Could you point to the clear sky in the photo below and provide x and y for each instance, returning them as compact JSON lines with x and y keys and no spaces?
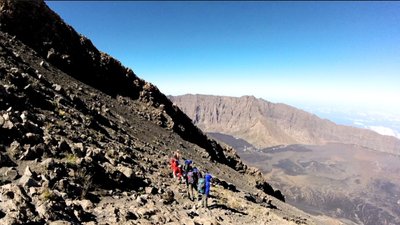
{"x":331,"y":53}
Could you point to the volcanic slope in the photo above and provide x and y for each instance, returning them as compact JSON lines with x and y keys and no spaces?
{"x":85,"y":141}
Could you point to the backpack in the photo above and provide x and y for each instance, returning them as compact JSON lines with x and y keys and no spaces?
{"x":190,"y":177}
{"x":196,"y":175}
{"x":186,"y":168}
{"x":201,"y":186}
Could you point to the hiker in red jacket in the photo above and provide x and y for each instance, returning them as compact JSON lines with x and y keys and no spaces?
{"x":172,"y":164}
{"x":178,"y":172}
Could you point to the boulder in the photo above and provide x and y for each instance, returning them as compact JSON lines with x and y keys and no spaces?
{"x":42,"y":210}
{"x":147,"y":212}
{"x":151,"y":190}
{"x":27,"y":180}
{"x":267,"y":189}
{"x":44,"y":64}
{"x":7,"y":123}
{"x":142,"y":199}
{"x":48,"y":163}
{"x":15,"y":150}
{"x":51,"y":54}
{"x":11,"y":174}
{"x":254,"y":171}
{"x":17,"y":206}
{"x":168,"y":197}
{"x":86,"y":204}
{"x":24,"y":115}
{"x":28,"y":172}
{"x":128,"y":172}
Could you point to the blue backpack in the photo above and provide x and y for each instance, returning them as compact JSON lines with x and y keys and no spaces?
{"x":201,"y":186}
{"x":187,"y":165}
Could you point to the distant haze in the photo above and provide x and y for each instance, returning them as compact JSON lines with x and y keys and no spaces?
{"x":339,"y":55}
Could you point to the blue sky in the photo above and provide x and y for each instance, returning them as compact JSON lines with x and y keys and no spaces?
{"x":301,"y":53}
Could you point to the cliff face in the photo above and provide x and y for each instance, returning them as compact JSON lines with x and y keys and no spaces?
{"x":266,"y":124}
{"x":85,"y":141}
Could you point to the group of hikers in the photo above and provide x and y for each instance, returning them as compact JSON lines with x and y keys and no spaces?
{"x":193,"y":178}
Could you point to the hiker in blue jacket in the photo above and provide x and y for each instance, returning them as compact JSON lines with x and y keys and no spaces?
{"x":207,"y":178}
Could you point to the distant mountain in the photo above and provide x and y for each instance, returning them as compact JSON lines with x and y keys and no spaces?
{"x":329,"y":179}
{"x":265,"y":124}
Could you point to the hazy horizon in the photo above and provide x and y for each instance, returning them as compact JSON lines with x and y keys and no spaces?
{"x":336,"y":55}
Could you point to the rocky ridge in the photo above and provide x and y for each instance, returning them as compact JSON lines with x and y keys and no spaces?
{"x":85,"y":141}
{"x":265,"y":124}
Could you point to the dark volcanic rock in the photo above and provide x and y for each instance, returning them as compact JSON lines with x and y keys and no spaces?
{"x":5,"y":160}
{"x":266,"y":188}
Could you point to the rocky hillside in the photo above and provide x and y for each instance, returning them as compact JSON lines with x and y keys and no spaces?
{"x":265,"y":124}
{"x":85,"y":141}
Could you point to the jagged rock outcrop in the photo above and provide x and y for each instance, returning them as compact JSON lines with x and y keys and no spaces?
{"x":265,"y":124}
{"x":85,"y":141}
{"x":75,"y":55}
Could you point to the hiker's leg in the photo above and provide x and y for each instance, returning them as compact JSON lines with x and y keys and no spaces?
{"x":206,"y":193}
{"x":199,"y":199}
{"x":191,"y":192}
{"x":188,"y":192}
{"x":196,"y":191}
